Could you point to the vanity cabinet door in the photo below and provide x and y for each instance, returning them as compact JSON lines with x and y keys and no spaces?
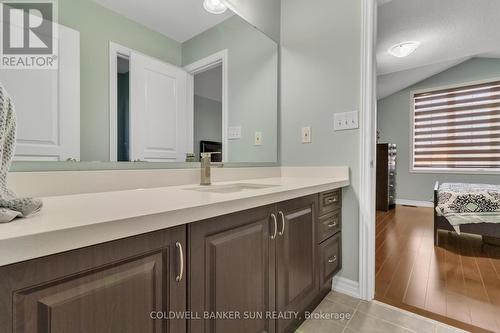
{"x":297,"y":285}
{"x":232,"y":272}
{"x":112,"y":287}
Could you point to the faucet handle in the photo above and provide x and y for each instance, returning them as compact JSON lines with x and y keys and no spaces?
{"x":206,"y":155}
{"x":210,"y":154}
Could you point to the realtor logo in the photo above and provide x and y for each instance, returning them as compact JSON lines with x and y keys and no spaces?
{"x":28,"y":35}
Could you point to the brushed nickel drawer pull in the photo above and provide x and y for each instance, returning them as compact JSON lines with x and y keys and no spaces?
{"x":282,"y":232}
{"x":331,"y":200}
{"x":178,"y":278}
{"x":332,"y":260}
{"x":275,"y":222}
{"x":332,"y":225}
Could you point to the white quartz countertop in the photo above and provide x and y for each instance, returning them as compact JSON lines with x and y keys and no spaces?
{"x":74,"y":221}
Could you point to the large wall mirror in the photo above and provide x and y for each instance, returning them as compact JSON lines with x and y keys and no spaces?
{"x":151,"y":81}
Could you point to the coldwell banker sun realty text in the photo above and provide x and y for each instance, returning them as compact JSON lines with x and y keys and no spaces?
{"x":29,"y":34}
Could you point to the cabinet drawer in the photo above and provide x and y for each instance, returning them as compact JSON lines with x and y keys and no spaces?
{"x":329,"y":225}
{"x":330,"y":260}
{"x":330,"y":201}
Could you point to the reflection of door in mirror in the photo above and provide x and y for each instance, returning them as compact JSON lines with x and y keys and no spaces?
{"x":47,"y":104}
{"x":163,"y":112}
{"x":157,"y":110}
{"x":150,"y":111}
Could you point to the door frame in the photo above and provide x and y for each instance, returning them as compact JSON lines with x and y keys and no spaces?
{"x":368,"y":143}
{"x":115,"y":51}
{"x":199,"y":66}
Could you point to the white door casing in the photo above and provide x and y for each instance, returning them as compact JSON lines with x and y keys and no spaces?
{"x":216,"y":59}
{"x":157,"y":110}
{"x":47,"y":104}
{"x":367,"y":150}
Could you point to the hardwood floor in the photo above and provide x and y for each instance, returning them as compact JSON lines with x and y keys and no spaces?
{"x":457,"y":283}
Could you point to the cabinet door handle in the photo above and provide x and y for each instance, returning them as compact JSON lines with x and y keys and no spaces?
{"x":178,"y":278}
{"x":275,"y":222}
{"x":282,"y":232}
{"x":332,"y":260}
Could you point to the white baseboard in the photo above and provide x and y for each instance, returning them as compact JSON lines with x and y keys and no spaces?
{"x":346,"y":286}
{"x":414,"y":203}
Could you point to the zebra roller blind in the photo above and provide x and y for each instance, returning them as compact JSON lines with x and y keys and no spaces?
{"x":457,"y":128}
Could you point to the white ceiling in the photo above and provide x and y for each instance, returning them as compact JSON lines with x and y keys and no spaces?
{"x":178,"y":19}
{"x":450,"y":31}
{"x":388,"y":84}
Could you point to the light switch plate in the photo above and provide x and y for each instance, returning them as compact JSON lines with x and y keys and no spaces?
{"x":345,"y":121}
{"x":352,"y":119}
{"x":306,"y":135}
{"x":234,"y":133}
{"x":339,"y":122}
{"x":258,"y":138}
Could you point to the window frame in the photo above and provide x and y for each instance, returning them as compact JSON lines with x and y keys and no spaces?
{"x":458,"y":171}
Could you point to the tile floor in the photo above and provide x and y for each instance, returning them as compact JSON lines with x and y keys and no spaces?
{"x":360,"y":316}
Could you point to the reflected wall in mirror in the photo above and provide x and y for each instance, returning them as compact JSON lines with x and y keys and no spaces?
{"x":152,"y":81}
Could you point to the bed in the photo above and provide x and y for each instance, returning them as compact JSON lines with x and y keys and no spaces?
{"x":467,"y":208}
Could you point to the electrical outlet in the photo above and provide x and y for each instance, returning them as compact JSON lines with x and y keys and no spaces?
{"x":258,"y":138}
{"x":306,"y":135}
{"x":234,"y":133}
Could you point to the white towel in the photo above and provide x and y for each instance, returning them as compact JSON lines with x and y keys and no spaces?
{"x":10,"y":206}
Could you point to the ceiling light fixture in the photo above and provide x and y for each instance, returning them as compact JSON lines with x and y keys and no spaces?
{"x":214,"y":6}
{"x":403,"y":49}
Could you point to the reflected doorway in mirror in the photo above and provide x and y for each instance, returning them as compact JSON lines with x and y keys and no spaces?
{"x":207,"y":92}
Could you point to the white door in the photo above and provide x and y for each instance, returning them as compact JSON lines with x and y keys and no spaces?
{"x":157,"y":110}
{"x":47,"y":104}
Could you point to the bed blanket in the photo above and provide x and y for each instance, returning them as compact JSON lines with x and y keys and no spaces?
{"x":469,"y":203}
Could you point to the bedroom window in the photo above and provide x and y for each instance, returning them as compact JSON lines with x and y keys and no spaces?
{"x":457,"y":129}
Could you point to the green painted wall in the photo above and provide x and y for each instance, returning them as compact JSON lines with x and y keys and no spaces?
{"x":394,"y":114}
{"x":98,"y":26}
{"x":253,"y":84}
{"x":320,"y":68}
{"x":207,"y":122}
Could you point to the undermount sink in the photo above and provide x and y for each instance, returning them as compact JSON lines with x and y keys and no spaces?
{"x":230,"y":188}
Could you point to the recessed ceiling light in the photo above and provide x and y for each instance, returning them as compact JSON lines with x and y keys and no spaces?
{"x":403,"y":49}
{"x":214,"y":6}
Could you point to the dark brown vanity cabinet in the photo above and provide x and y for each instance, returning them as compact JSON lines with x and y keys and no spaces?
{"x":329,"y":238}
{"x":296,"y":274}
{"x":264,"y":262}
{"x":232,"y":270}
{"x":107,"y":288}
{"x":252,"y":271}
